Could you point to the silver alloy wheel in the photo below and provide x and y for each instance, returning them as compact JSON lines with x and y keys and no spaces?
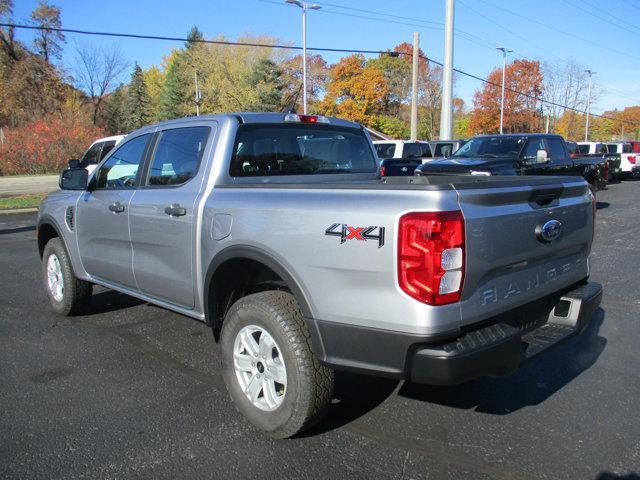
{"x":260,"y":367}
{"x":55,"y":280}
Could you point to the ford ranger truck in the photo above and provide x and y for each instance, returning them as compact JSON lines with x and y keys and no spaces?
{"x":276,"y":230}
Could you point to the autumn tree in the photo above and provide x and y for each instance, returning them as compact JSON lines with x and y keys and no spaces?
{"x":317,"y":77}
{"x":8,"y":44}
{"x":356,"y":90}
{"x":97,"y":70}
{"x":48,"y":42}
{"x":523,"y":88}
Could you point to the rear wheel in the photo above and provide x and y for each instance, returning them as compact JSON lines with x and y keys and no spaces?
{"x":67,"y":294}
{"x":271,"y":374}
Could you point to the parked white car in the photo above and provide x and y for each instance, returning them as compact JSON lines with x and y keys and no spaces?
{"x":591,"y":148}
{"x":628,"y":159}
{"x":405,"y":149}
{"x":96,"y":152}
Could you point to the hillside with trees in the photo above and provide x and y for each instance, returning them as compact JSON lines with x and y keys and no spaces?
{"x":50,"y":112}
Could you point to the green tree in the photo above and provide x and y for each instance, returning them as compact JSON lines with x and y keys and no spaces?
{"x":138,"y":102}
{"x":116,"y":111}
{"x":194,"y":37}
{"x":266,"y":80}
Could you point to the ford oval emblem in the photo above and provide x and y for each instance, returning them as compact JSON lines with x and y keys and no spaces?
{"x":549,"y":231}
{"x":404,"y":169}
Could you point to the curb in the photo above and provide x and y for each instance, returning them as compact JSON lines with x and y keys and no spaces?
{"x":10,"y":211}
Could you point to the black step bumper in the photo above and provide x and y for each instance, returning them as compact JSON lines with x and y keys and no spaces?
{"x":500,"y":349}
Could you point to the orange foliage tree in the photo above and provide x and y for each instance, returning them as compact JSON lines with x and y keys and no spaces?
{"x":45,"y":145}
{"x":356,"y":90}
{"x":521,"y":112}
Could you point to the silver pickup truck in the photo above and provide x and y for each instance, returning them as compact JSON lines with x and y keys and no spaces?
{"x":277,"y":231}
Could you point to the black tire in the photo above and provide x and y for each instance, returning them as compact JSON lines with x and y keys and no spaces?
{"x":76,"y":293}
{"x":309,"y":387}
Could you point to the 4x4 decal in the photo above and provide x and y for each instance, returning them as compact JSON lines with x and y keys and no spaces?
{"x":347,"y":232}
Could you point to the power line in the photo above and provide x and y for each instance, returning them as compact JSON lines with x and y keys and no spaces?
{"x":631,"y":4}
{"x":293,"y":47}
{"x":600,"y":17}
{"x":560,"y":30}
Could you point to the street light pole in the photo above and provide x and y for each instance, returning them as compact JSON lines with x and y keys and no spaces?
{"x":586,"y":126}
{"x":504,"y":51}
{"x":304,"y":6}
{"x":446,"y":112}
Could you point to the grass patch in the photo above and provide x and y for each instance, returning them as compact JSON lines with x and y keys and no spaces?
{"x":22,"y":201}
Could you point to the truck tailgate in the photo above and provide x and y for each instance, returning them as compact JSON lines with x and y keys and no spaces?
{"x":509,"y":261}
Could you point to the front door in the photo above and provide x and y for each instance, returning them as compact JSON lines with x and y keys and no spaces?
{"x":162,"y":216}
{"x":102,"y":215}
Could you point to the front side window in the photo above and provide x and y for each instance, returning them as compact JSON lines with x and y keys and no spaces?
{"x":583,"y":149}
{"x":91,"y":156}
{"x":601,"y":148}
{"x":444,"y":149}
{"x":121,"y":168}
{"x":532,"y":148}
{"x":385,"y":150}
{"x":178,"y":155}
{"x":299,"y":149}
{"x":612,"y":148}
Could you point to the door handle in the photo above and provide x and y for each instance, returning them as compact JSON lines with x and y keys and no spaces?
{"x":175,"y":210}
{"x":116,"y":207}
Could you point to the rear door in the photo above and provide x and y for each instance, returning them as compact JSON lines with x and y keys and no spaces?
{"x":162,"y":215}
{"x":102,"y":215}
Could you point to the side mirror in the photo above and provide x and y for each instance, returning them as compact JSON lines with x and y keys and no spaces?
{"x":74,"y":163}
{"x":541,"y":156}
{"x":74,"y":179}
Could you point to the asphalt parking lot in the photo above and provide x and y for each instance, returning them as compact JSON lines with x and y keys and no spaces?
{"x":132,"y":390}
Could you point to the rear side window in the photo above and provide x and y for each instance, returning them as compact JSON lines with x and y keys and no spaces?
{"x":106,"y":148}
{"x":602,"y":148}
{"x":556,"y":149}
{"x":299,"y":149}
{"x":426,"y":150}
{"x":583,"y":149}
{"x":626,"y":148}
{"x":612,"y":148}
{"x":177,"y":155}
{"x":385,"y":150}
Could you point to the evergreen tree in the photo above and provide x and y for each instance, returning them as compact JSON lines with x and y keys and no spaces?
{"x":193,"y":37}
{"x":115,"y":113}
{"x":174,"y":93}
{"x":138,"y":102}
{"x":266,"y":79}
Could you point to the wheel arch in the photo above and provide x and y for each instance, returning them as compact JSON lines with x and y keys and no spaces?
{"x":47,"y":229}
{"x":256,"y":256}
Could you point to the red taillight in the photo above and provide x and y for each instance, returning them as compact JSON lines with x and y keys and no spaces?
{"x":383,"y":171}
{"x":431,"y":256}
{"x":632,"y":159}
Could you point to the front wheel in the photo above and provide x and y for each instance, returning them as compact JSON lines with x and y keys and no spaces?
{"x":67,"y":294}
{"x":271,"y":374}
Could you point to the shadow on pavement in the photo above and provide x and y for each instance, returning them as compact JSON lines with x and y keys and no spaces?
{"x":613,"y":476}
{"x":354,"y":396}
{"x":602,"y":205}
{"x":6,"y":231}
{"x":531,"y":385}
{"x":109,"y":301}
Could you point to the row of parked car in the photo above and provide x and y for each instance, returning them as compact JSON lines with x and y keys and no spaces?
{"x":512,"y":154}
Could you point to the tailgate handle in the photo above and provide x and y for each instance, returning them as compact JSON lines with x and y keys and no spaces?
{"x":544,"y":199}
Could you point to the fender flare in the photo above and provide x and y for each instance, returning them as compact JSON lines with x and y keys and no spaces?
{"x":51,"y":222}
{"x":258,"y":255}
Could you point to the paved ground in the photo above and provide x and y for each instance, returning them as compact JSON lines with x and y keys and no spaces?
{"x":11,"y":186}
{"x":132,"y":390}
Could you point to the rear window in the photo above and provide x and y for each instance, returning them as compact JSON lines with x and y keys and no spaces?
{"x":612,"y":148}
{"x":583,"y":149}
{"x":271,"y":150}
{"x":626,"y":148}
{"x":385,"y":150}
{"x":412,"y":150}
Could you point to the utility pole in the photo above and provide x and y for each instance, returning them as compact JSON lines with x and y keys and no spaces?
{"x":586,"y":126}
{"x":304,"y":6}
{"x":198,"y":94}
{"x":546,"y":130}
{"x":504,"y":51}
{"x":414,"y":87}
{"x":446,"y":114}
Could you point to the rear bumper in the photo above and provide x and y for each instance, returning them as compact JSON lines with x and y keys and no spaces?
{"x":635,"y":170}
{"x":495,"y":349}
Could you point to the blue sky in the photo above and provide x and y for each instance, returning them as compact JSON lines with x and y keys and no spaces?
{"x":544,"y":30}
